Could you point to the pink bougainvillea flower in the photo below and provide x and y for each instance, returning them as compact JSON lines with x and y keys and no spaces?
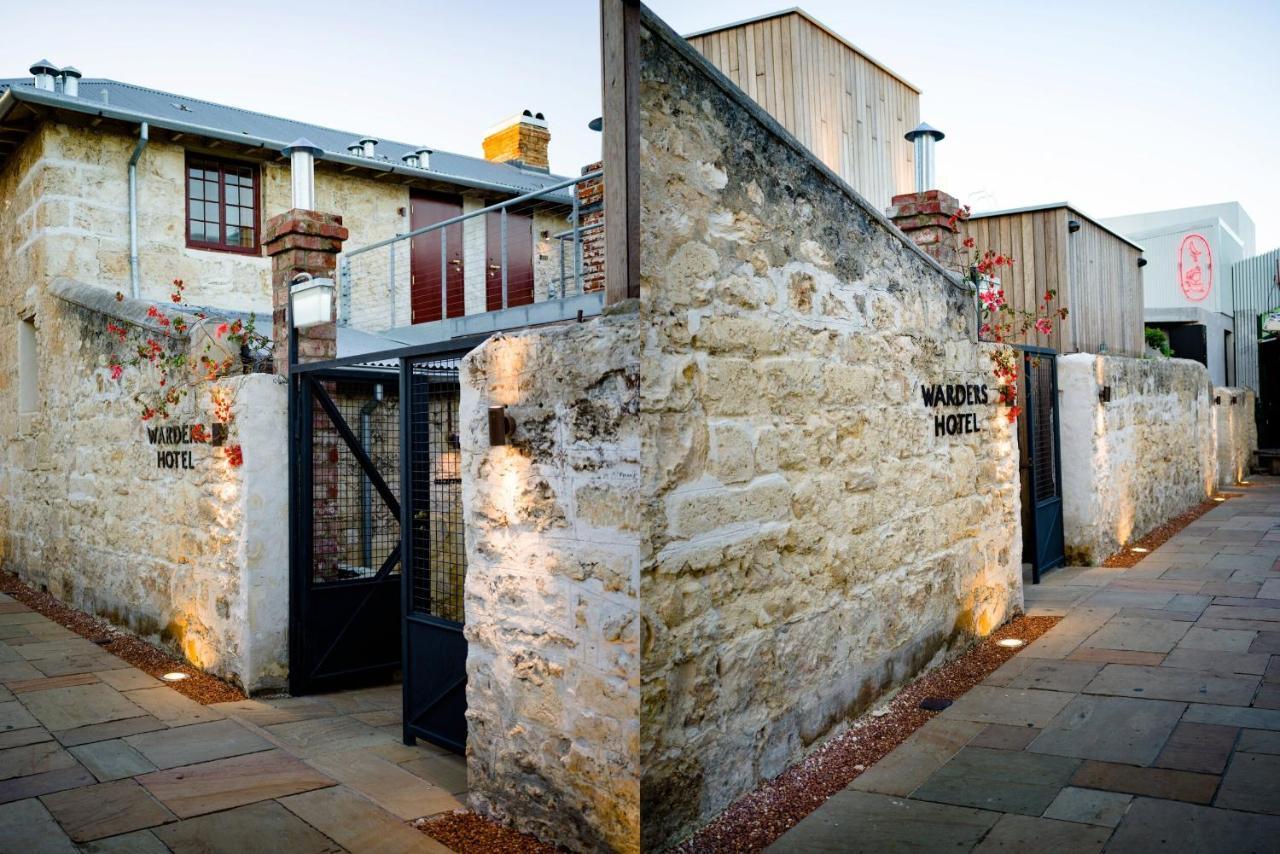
{"x":117,"y":370}
{"x":235,"y":455}
{"x":1044,"y":325}
{"x":221,"y":330}
{"x":1014,"y":412}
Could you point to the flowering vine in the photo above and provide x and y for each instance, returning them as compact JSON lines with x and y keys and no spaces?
{"x":177,"y":374}
{"x":1000,"y":322}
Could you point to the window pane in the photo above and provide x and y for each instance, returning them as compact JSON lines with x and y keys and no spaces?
{"x":196,"y":190}
{"x":246,"y":216}
{"x":195,"y":209}
{"x":233,"y":195}
{"x":197,"y":230}
{"x":211,"y":190}
{"x":233,"y":235}
{"x":246,"y":237}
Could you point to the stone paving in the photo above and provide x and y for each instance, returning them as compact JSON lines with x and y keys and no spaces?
{"x":1148,"y":719}
{"x":98,"y":756}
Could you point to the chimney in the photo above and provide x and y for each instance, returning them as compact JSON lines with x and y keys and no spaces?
{"x":45,"y":72}
{"x":923,"y":136}
{"x":521,"y":141}
{"x":368,"y":146}
{"x":71,"y":81}
{"x":928,"y":216}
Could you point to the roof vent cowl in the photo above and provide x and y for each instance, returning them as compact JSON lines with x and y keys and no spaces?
{"x":368,"y":144}
{"x":71,"y":81}
{"x":45,"y":72}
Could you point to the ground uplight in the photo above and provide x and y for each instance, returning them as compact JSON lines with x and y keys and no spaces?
{"x":174,"y":677}
{"x":1010,"y":643}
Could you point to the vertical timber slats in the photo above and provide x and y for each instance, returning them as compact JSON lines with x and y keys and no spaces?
{"x":851,"y":112}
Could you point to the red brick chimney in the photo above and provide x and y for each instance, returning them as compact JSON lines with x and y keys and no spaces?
{"x":521,"y":141}
{"x":931,"y":219}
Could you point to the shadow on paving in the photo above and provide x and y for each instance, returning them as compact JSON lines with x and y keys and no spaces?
{"x":1147,"y":719}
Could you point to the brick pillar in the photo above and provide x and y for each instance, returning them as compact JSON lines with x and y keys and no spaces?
{"x":928,"y":219}
{"x":591,"y":194}
{"x":301,"y":241}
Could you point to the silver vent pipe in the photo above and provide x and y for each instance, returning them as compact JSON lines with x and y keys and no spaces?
{"x":355,"y":149}
{"x":45,"y":73}
{"x":410,"y":159}
{"x":368,"y":144}
{"x":302,"y":154}
{"x":424,"y":158}
{"x":71,"y":81}
{"x":923,"y":136}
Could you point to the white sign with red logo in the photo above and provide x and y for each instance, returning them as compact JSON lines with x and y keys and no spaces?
{"x":1195,"y":267}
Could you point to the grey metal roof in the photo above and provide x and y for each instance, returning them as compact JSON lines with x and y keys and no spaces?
{"x":1053,"y":206}
{"x":179,"y":113}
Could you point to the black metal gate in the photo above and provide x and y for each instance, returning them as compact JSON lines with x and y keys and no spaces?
{"x":376,"y":486}
{"x":345,"y":527}
{"x":1043,"y":545}
{"x":435,"y":651}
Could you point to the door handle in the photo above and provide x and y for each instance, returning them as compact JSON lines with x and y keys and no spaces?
{"x":457,"y":262}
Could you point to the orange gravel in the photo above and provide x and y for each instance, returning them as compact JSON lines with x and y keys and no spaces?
{"x":198,"y":685}
{"x":759,"y":818}
{"x":468,"y":833}
{"x":1126,"y":557}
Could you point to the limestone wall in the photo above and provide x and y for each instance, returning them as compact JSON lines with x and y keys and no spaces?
{"x":1129,"y":464}
{"x":553,"y":555}
{"x":1237,"y":433}
{"x":814,"y":541}
{"x":191,"y":553}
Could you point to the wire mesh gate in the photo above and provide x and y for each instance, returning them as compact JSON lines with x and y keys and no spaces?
{"x":378,"y":553}
{"x":1043,"y":542}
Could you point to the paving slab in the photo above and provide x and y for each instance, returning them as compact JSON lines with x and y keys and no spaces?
{"x":1138,"y":635}
{"x":1233,"y":716}
{"x":63,"y":665}
{"x":27,"y":827}
{"x":1259,"y":741}
{"x":1115,"y":729}
{"x":167,"y":705}
{"x":386,"y":784}
{"x":276,"y":711}
{"x":1069,"y":633}
{"x":44,"y":683}
{"x":1236,"y":612}
{"x":81,"y":705}
{"x":1162,"y":825}
{"x":912,"y":762}
{"x":1198,"y":747}
{"x":1172,"y":683}
{"x":1270,"y":589}
{"x":1089,"y":806}
{"x":1268,"y":696}
{"x":1230,"y":588}
{"x":110,"y":729}
{"x":1005,"y":737}
{"x":225,"y":783}
{"x":1221,"y":640}
{"x":1014,"y":706}
{"x":852,"y":822}
{"x":34,"y":759}
{"x":1252,"y":783}
{"x":1022,"y":833}
{"x":1115,"y":656}
{"x":317,"y":736}
{"x":138,"y":842}
{"x":1153,"y":782}
{"x":21,"y":737}
{"x":112,"y":760}
{"x":247,"y":828}
{"x":13,"y":670}
{"x":128,"y":679}
{"x":1266,"y":642}
{"x":1213,"y":661}
{"x":1001,"y":780}
{"x":14,"y":715}
{"x":35,"y":785}
{"x":188,"y":745}
{"x":107,"y":809}
{"x":358,"y":824}
{"x":1056,"y":675}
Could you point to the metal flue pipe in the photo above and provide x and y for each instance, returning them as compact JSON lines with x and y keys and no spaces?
{"x":924,"y":136}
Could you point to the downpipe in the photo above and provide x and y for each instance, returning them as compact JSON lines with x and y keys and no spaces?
{"x":134,"y":276}
{"x":366,"y":492}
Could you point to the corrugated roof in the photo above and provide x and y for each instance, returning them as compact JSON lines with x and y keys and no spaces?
{"x":165,"y":109}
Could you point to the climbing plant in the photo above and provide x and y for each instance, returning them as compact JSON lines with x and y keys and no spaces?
{"x":168,"y":374}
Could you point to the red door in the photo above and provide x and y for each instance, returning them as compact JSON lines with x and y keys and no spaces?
{"x":519,"y":260}
{"x":425,"y":257}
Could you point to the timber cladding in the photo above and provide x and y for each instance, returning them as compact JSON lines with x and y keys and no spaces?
{"x":1094,"y":271}
{"x":842,"y":105}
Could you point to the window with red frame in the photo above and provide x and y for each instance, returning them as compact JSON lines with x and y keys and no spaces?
{"x":222,"y":205}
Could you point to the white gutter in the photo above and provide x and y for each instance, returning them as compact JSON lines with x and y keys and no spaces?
{"x":134,"y":275}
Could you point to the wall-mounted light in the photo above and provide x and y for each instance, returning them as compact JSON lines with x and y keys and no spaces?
{"x":596,"y":124}
{"x":1234,"y":400}
{"x":310,"y":301}
{"x":1142,"y":262}
{"x":1104,"y":394}
{"x":1217,"y":399}
{"x":1073,"y":225}
{"x":501,"y":425}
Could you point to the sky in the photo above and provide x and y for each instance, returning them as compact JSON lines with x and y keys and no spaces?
{"x":1117,"y":107}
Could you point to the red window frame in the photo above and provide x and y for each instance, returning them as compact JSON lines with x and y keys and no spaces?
{"x":222,"y":167}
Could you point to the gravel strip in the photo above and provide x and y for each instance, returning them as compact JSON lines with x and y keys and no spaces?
{"x":759,"y":818}
{"x":468,"y":833}
{"x":198,"y":685}
{"x":1126,"y":557}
